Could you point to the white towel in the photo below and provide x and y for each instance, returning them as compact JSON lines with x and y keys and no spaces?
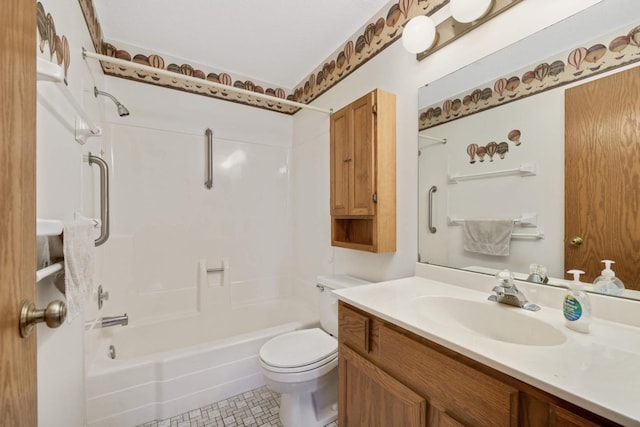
{"x":79,"y":260}
{"x":488,"y":236}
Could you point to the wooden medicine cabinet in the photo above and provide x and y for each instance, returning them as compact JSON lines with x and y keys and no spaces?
{"x":363,"y":174}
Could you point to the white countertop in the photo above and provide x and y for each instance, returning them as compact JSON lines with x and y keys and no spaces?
{"x":599,"y":371}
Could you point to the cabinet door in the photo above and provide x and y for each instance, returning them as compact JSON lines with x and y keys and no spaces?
{"x":362,"y":184}
{"x":368,"y":397}
{"x":340,"y":155}
{"x":562,"y":418}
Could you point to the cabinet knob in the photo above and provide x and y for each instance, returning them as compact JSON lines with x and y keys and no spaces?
{"x":348,"y":159}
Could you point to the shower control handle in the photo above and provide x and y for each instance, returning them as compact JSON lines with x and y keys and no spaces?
{"x":54,"y":315}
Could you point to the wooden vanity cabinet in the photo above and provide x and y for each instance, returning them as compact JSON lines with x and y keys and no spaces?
{"x":391,"y":377}
{"x":363,"y":173}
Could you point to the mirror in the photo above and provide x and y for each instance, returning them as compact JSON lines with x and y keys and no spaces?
{"x":504,"y":151}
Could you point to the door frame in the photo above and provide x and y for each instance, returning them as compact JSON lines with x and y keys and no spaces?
{"x":18,"y":358}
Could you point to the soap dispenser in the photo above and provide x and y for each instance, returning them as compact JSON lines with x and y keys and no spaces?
{"x":607,"y":282}
{"x":576,"y":305}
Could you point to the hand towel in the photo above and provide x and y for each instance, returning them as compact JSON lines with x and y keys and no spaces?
{"x":79,"y":261}
{"x":488,"y":236}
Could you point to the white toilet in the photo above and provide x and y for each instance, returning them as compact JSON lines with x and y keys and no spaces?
{"x":303,"y":365}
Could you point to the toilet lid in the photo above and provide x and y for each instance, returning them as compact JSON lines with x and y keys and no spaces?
{"x":298,"y":348}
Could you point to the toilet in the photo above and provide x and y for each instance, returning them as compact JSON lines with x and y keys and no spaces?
{"x":303,"y":365}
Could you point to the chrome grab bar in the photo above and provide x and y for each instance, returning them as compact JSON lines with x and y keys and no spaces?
{"x":104,"y":198}
{"x":209,"y":182}
{"x":432,"y":190}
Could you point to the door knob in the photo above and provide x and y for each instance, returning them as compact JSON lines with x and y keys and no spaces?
{"x":576,"y":241}
{"x":54,"y":316}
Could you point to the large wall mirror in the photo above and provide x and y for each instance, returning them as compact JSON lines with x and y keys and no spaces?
{"x":518,"y":124}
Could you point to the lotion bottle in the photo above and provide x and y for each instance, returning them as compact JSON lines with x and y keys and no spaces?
{"x":607,"y":282}
{"x":576,"y":306}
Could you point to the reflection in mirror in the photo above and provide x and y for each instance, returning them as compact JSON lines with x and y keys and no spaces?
{"x":503,"y":118}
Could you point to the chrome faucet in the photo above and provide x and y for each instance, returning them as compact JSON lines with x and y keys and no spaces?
{"x":507,"y":293}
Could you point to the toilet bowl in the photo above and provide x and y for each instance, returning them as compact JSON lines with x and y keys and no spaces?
{"x":302,"y":365}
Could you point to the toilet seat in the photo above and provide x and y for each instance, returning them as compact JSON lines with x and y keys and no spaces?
{"x":299,"y":351}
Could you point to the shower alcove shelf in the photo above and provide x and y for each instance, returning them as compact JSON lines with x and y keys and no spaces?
{"x":363,"y":174}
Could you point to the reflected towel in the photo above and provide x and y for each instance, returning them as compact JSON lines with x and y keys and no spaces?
{"x":79,"y":261}
{"x":488,"y":236}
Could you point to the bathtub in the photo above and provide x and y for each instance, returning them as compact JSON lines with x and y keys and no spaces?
{"x":164,"y":369}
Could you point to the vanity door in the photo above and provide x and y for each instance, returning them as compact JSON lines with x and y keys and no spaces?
{"x":369,"y":397}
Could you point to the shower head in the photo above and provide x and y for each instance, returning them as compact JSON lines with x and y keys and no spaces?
{"x":122,"y":110}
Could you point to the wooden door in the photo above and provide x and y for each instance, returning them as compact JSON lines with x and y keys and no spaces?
{"x":368,"y":397}
{"x":362,"y":184}
{"x":341,"y":152}
{"x":602,"y":176}
{"x":18,"y":402}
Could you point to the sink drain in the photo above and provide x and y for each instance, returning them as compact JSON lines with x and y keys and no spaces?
{"x":112,"y":352}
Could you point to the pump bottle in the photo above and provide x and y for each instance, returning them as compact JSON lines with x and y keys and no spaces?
{"x":576,"y":306}
{"x":607,"y":282}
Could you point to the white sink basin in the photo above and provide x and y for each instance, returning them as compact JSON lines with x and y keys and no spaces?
{"x":493,"y":320}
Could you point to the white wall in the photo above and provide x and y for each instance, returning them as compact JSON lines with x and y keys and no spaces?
{"x":64,"y":186}
{"x":396,"y":71}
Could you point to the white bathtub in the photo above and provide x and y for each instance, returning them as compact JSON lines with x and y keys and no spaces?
{"x":164,"y":369}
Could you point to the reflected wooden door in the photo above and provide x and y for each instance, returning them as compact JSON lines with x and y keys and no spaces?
{"x":602,"y":176}
{"x":18,"y":402}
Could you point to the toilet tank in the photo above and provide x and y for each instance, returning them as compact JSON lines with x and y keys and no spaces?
{"x":328,"y":300}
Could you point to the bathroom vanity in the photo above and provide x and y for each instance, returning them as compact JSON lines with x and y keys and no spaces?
{"x":420,"y":352}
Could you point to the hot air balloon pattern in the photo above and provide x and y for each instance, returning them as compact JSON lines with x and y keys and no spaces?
{"x":541,"y":71}
{"x":51,"y":35}
{"x":446,"y":107}
{"x":576,"y":57}
{"x":514,"y":136}
{"x":471,"y":151}
{"x":503,"y":149}
{"x":481,"y":152}
{"x":405,"y":5}
{"x":634,"y":36}
{"x":594,"y":54}
{"x":41,"y":21}
{"x":555,"y":69}
{"x":455,"y":106}
{"x":499,"y":86}
{"x":619,"y":44}
{"x":491,"y":149}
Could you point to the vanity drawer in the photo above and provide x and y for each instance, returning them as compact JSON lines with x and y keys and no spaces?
{"x":355,"y":329}
{"x":463,"y":393}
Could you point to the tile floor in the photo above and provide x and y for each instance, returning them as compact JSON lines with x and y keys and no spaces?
{"x":255,"y":408}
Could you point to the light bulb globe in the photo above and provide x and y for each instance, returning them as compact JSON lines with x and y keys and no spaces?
{"x":418,"y":34}
{"x":465,"y":11}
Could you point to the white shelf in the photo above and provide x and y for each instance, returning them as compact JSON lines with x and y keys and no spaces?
{"x":525,"y":169}
{"x":48,"y":227}
{"x":49,"y":72}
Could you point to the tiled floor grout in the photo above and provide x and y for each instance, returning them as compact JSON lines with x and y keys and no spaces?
{"x":255,"y":408}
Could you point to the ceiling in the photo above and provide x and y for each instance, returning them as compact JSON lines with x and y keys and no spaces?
{"x":277,"y":41}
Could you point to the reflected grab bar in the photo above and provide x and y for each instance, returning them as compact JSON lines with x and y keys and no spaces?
{"x":209,"y":182}
{"x":432,"y":190}
{"x":104,"y":198}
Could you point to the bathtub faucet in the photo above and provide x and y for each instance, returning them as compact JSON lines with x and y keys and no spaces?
{"x":106,"y":322}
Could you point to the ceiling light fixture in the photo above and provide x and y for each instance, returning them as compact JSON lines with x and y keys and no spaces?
{"x":466,"y":11}
{"x":423,"y":37}
{"x":419,"y":34}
